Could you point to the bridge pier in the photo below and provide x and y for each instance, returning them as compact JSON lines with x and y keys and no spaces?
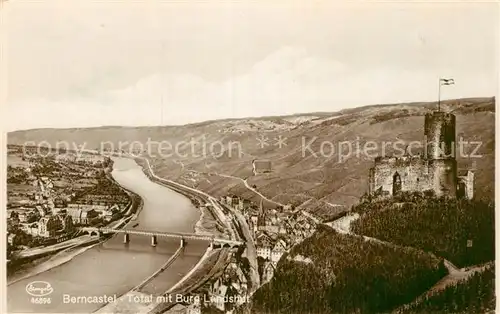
{"x":94,"y":233}
{"x":214,"y":242}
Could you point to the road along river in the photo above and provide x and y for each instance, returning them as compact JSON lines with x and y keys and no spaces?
{"x":112,"y":268}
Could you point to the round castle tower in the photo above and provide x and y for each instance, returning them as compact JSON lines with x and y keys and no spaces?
{"x":439,"y":131}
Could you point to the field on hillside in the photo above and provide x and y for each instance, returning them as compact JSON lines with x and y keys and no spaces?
{"x":305,"y":170}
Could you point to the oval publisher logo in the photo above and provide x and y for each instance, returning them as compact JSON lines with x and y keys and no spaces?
{"x":39,"y":288}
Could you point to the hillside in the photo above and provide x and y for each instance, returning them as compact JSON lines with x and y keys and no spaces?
{"x":390,"y":261}
{"x":346,"y":274}
{"x":475,"y":294}
{"x":298,"y":176}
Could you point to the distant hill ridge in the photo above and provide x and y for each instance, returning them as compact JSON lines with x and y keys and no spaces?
{"x":484,"y":102}
{"x":323,"y":182}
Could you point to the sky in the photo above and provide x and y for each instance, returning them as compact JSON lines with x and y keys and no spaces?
{"x":81,"y":63}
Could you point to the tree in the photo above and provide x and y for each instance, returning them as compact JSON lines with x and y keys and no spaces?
{"x":430,"y":218}
{"x":33,"y":217}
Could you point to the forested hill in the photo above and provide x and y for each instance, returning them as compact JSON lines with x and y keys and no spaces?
{"x":350,"y":274}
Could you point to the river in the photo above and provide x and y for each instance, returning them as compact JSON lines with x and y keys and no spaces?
{"x":113,"y":268}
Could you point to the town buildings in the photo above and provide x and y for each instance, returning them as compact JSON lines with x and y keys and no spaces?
{"x":57,"y":195}
{"x":92,"y":159}
{"x":274,"y":231}
{"x":49,"y":227}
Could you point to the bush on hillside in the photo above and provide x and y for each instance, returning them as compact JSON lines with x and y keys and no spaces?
{"x":473,"y":295}
{"x":386,"y":116}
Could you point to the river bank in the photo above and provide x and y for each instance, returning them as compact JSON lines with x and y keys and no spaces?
{"x":114,"y":268}
{"x":206,"y":224}
{"x":136,"y":202}
{"x":51,"y":260}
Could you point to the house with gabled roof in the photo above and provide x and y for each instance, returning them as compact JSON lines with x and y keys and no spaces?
{"x":233,"y":262}
{"x":298,"y":238}
{"x":267,"y":272}
{"x":11,"y":239}
{"x":220,"y":296}
{"x":194,"y":307}
{"x":264,"y":245}
{"x":282,"y":230}
{"x":241,"y":281}
{"x":279,"y":248}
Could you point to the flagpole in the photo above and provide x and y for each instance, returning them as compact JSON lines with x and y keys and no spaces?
{"x":439,"y":95}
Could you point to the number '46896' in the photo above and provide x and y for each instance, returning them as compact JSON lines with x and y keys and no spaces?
{"x":40,"y":300}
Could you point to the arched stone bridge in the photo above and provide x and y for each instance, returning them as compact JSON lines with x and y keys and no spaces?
{"x":155,"y":234}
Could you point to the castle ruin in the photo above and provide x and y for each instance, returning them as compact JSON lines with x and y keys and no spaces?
{"x":434,"y":170}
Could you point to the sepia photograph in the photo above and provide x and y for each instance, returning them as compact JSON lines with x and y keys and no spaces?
{"x":248,"y":156}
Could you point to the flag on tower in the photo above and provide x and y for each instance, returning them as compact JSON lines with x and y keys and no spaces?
{"x":446,"y":81}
